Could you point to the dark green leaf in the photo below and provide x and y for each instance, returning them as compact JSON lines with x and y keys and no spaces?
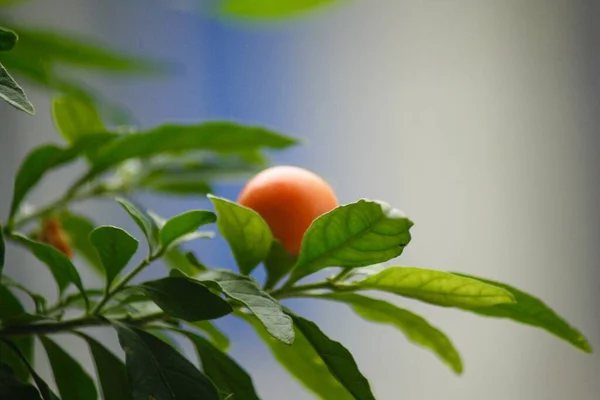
{"x":143,"y":221}
{"x":78,"y":228}
{"x":416,"y":328}
{"x":435,"y":287}
{"x":13,"y":389}
{"x":75,"y":116}
{"x":72,"y":381}
{"x":59,"y":264}
{"x":8,"y":39}
{"x":158,"y":371}
{"x":246,"y":232}
{"x":111,"y":372}
{"x":215,"y":136}
{"x":270,"y":9}
{"x":38,"y":300}
{"x":302,"y":361}
{"x":2,"y":250}
{"x":225,"y":373}
{"x":218,"y":338}
{"x":43,"y":387}
{"x":353,"y":235}
{"x":247,"y":291}
{"x":12,"y":93}
{"x":115,"y":247}
{"x":532,"y":311}
{"x":165,"y":337}
{"x":11,"y":307}
{"x":185,"y":299}
{"x":278,"y":264}
{"x":184,"y":224}
{"x":187,"y":263}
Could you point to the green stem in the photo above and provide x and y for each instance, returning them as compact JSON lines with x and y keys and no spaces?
{"x":343,"y":273}
{"x":293,"y":290}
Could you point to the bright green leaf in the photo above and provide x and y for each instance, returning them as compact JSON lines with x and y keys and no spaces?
{"x":78,"y":229}
{"x":247,"y":291}
{"x":143,"y":221}
{"x":416,"y":328}
{"x":115,"y":247}
{"x":225,"y":373}
{"x":74,"y":117}
{"x":271,"y":9}
{"x":72,"y":381}
{"x":217,"y":338}
{"x":111,"y":372}
{"x":435,"y":287}
{"x":13,"y":389}
{"x":279,"y":263}
{"x":246,"y":232}
{"x":185,"y":262}
{"x":185,"y":299}
{"x":8,"y":39}
{"x":158,"y":371}
{"x":302,"y":361}
{"x":11,"y":307}
{"x":353,"y":235}
{"x":12,"y":93}
{"x":532,"y":311}
{"x":184,"y":224}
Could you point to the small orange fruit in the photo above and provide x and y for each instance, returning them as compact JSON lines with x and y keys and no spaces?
{"x":53,"y":234}
{"x":289,"y":199}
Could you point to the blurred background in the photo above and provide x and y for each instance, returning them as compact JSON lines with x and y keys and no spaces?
{"x":478,"y":119}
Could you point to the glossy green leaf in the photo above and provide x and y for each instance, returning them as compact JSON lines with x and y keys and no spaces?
{"x":75,"y":116}
{"x":2,"y":250}
{"x":115,"y":247}
{"x":215,"y":136}
{"x":247,"y":291}
{"x":78,"y":229}
{"x":158,"y":371}
{"x":142,"y":220}
{"x":111,"y":372}
{"x":222,"y":370}
{"x":11,"y":307}
{"x":271,"y":9}
{"x":336,"y":357}
{"x":246,"y":232}
{"x":278,"y":264}
{"x":185,"y":262}
{"x":185,"y":299}
{"x":435,"y":287}
{"x":72,"y":381}
{"x":302,"y":361}
{"x":60,"y":266}
{"x":12,"y":93}
{"x":184,"y":224}
{"x":353,"y":235}
{"x":12,"y":388}
{"x":45,"y":391}
{"x":217,"y":338}
{"x":8,"y":39}
{"x":532,"y":311}
{"x":416,"y":328}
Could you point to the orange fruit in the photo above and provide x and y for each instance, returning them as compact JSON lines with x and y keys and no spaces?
{"x":53,"y":234}
{"x":289,"y":199}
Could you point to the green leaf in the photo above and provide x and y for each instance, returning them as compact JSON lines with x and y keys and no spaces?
{"x":115,"y":247}
{"x":353,"y":235}
{"x":246,"y":232}
{"x":416,"y":328}
{"x":184,"y":224}
{"x":271,"y":9}
{"x":145,"y":223}
{"x":43,"y":387}
{"x":279,"y":263}
{"x":214,"y":136}
{"x":111,"y":372}
{"x":158,"y":371}
{"x":75,"y":116}
{"x":217,"y":338}
{"x":78,"y":229}
{"x":2,"y":250}
{"x":11,"y":307}
{"x":336,"y":357}
{"x":302,"y":361}
{"x":225,"y":373}
{"x":43,"y":159}
{"x":435,"y":287}
{"x":532,"y":311}
{"x":185,"y":262}
{"x":13,"y":389}
{"x":59,"y":264}
{"x":247,"y":291}
{"x":8,"y":39}
{"x":185,"y":299}
{"x":72,"y":381}
{"x":13,"y":94}
{"x":176,"y":186}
